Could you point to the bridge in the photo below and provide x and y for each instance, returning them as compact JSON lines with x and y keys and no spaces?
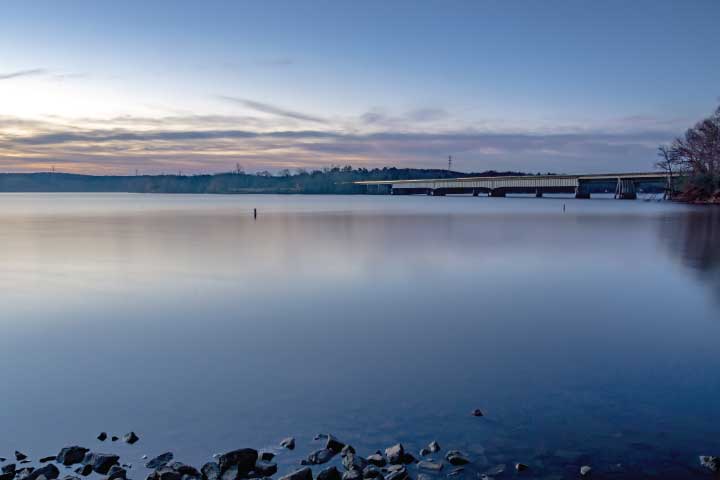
{"x":625,"y":185}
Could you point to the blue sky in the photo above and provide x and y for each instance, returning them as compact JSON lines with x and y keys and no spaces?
{"x":566,"y":86}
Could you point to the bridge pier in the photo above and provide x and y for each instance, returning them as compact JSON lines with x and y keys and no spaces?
{"x":476,"y":193}
{"x":581,"y":192}
{"x":496,"y":193}
{"x":438,"y":193}
{"x":625,"y":190}
{"x":538,"y":194}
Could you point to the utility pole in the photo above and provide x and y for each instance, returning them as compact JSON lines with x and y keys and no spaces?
{"x":449,"y":163}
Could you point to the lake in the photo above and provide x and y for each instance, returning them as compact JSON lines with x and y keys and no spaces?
{"x":588,"y":336}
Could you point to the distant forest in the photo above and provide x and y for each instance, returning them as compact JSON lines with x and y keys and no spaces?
{"x":335,"y":180}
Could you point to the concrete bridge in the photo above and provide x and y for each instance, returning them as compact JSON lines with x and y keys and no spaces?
{"x":625,"y":185}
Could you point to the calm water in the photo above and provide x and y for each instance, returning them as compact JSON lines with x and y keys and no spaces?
{"x":589,"y":336}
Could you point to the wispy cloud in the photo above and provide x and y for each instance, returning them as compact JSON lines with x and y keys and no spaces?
{"x":23,"y":73}
{"x":273,"y":109}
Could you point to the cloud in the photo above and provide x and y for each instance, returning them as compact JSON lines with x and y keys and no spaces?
{"x":23,"y":73}
{"x":273,"y":110}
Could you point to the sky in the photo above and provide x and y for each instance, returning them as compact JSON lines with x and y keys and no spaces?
{"x":108,"y":87}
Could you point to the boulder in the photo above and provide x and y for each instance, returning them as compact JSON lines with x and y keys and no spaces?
{"x":160,"y":461}
{"x":265,"y":469}
{"x":352,"y":461}
{"x":85,"y":470}
{"x":352,"y":475}
{"x":184,"y":469}
{"x":210,"y":471}
{"x":288,"y":443}
{"x":116,"y":472}
{"x":50,"y":472}
{"x":9,"y":468}
{"x":71,"y":455}
{"x":7,"y":476}
{"x":130,"y":438}
{"x":302,"y":474}
{"x":267,"y":456}
{"x":377,"y":459}
{"x":243,"y":458}
{"x":430,"y":466}
{"x":231,"y":473}
{"x":330,"y":473}
{"x":334,"y":444}
{"x":101,"y":462}
{"x":710,"y":462}
{"x":455,"y":457}
{"x":319,"y":457}
{"x":395,"y":454}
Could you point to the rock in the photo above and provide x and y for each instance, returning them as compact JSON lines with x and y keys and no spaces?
{"x":23,"y":462}
{"x":455,"y":457}
{"x":477,"y":413}
{"x":334,"y":444}
{"x":288,"y":443}
{"x":85,"y":470}
{"x":585,"y":470}
{"x":397,"y":473}
{"x":352,"y":461}
{"x":116,"y":472}
{"x":50,"y":472}
{"x":711,"y":463}
{"x":160,"y":461}
{"x":243,"y":458}
{"x":376,"y":459}
{"x":371,"y":471}
{"x":71,"y":455}
{"x":330,"y":473}
{"x":2,"y":459}
{"x":408,"y":458}
{"x":130,"y":438}
{"x":20,"y":456}
{"x":347,"y":449}
{"x":210,"y":471}
{"x":302,"y":474}
{"x":164,"y":473}
{"x":47,"y":459}
{"x":521,"y":467}
{"x":430,"y":466}
{"x":102,"y":437}
{"x":114,"y":438}
{"x":424,"y":452}
{"x":395,"y":454}
{"x":424,"y":476}
{"x":230,"y":474}
{"x":352,"y":475}
{"x":319,"y":457}
{"x":267,"y":456}
{"x":433,"y":447}
{"x":101,"y":462}
{"x":265,"y":468}
{"x":7,"y":476}
{"x":9,"y":468}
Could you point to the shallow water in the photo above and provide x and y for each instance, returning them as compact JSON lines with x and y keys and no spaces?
{"x":587,"y":337}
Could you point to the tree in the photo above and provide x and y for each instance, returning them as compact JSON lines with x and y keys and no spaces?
{"x":696,"y":153}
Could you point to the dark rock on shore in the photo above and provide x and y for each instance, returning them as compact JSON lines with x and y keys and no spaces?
{"x":243,"y":458}
{"x":130,"y":438}
{"x":102,"y":437}
{"x":454,"y":457}
{"x":116,"y":472}
{"x":265,"y":469}
{"x":9,"y":468}
{"x":71,"y":455}
{"x":711,"y":463}
{"x":50,"y":472}
{"x":288,"y":443}
{"x":20,"y":456}
{"x":267,"y":456}
{"x":352,"y":461}
{"x":319,"y":457}
{"x":346,"y":450}
{"x":85,"y":470}
{"x":377,"y":459}
{"x":7,"y":476}
{"x":395,"y":454}
{"x":302,"y":474}
{"x":210,"y":471}
{"x":101,"y":462}
{"x":160,"y":460}
{"x":330,"y":473}
{"x":334,"y":444}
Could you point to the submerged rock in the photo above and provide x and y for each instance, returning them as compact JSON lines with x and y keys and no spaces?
{"x":585,"y":470}
{"x":430,"y":466}
{"x":302,"y":474}
{"x":455,"y":457}
{"x":395,"y":454}
{"x":288,"y":443}
{"x":71,"y":455}
{"x":710,"y":462}
{"x":130,"y":438}
{"x":330,"y":473}
{"x":160,"y":461}
{"x":7,"y":476}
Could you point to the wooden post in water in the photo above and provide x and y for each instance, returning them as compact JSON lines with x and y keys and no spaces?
{"x":255,"y":213}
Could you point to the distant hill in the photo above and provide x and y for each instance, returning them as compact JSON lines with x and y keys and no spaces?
{"x":337,"y":180}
